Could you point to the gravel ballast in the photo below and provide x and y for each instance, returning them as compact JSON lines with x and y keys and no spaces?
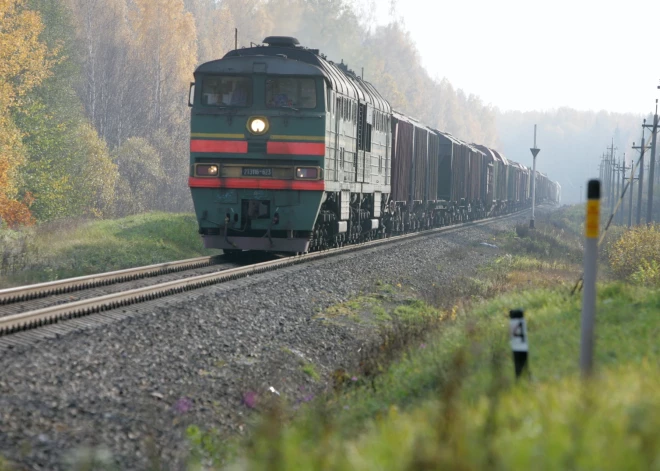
{"x":132,"y":387}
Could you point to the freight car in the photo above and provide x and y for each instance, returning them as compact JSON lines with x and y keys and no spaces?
{"x":291,"y":153}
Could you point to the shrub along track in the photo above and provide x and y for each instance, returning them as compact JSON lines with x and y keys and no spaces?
{"x":48,"y":310}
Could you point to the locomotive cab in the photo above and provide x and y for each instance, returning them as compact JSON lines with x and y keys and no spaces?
{"x":257,"y":152}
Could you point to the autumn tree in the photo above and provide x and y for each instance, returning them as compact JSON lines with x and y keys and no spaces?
{"x":215,"y":28}
{"x":103,"y":38}
{"x":141,"y":176}
{"x":61,"y":147}
{"x":164,"y":42}
{"x":24,"y":63}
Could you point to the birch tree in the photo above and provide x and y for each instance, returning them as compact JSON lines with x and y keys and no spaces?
{"x":165,"y":44}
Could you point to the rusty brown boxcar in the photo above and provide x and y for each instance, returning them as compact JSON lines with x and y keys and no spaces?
{"x":403,"y":133}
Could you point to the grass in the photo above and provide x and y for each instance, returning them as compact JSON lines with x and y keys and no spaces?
{"x":447,"y":397}
{"x":453,"y":402}
{"x":61,"y":250}
{"x":310,"y":370}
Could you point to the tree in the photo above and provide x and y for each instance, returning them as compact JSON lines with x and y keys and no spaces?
{"x":215,"y":28}
{"x":141,"y":176}
{"x":104,"y":37}
{"x":164,"y":42}
{"x":173,"y":149}
{"x":60,"y":145}
{"x":24,"y":63}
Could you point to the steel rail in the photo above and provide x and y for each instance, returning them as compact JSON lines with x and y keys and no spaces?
{"x":40,"y":290}
{"x":46,"y":316}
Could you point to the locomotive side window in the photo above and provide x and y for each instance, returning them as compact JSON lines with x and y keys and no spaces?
{"x":290,"y":92}
{"x":226,"y":91}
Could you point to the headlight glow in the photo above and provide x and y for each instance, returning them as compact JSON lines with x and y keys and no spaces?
{"x":258,"y":125}
{"x":206,"y":170}
{"x":307,"y":173}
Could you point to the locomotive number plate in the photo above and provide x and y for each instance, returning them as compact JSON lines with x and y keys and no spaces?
{"x":257,"y":172}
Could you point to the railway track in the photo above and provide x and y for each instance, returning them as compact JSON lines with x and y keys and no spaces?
{"x":68,"y":305}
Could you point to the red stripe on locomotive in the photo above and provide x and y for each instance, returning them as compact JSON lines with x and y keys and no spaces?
{"x":203,"y":145}
{"x":256,"y":183}
{"x":296,"y":148}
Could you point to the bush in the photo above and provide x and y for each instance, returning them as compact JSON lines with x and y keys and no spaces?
{"x":647,"y":274}
{"x":636,"y":254}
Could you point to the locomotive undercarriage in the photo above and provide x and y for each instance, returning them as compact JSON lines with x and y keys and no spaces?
{"x":396,"y":218}
{"x":331,"y":231}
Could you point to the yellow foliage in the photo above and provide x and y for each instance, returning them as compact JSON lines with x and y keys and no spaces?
{"x":24,"y":63}
{"x":637,"y":249}
{"x":24,"y":60}
{"x":166,"y":44}
{"x":14,"y":213}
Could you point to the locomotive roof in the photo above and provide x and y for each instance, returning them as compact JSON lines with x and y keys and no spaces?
{"x":338,"y":76}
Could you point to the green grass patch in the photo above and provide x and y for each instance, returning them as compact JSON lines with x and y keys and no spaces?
{"x":310,"y":370}
{"x":453,"y":402}
{"x":62,"y":250}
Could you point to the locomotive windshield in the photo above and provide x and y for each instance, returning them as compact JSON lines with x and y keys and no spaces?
{"x":227,"y":91}
{"x":290,"y":92}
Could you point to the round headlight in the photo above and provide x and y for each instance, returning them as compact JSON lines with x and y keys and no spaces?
{"x":258,"y":125}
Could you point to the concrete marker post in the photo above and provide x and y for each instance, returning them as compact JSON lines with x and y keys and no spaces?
{"x":591,"y":228}
{"x":519,"y":341}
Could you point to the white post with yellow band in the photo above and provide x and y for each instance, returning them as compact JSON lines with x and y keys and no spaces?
{"x":591,"y":228}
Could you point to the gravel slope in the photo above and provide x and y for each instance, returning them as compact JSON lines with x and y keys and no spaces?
{"x":198,"y":358}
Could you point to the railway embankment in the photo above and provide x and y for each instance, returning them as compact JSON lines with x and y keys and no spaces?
{"x":439,"y":390}
{"x":65,"y":249}
{"x":129,"y":391}
{"x":392,"y":358}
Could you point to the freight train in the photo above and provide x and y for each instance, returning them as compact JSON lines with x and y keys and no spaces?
{"x":292,"y":153}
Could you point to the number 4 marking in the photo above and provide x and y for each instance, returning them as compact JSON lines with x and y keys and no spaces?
{"x":519,"y":331}
{"x":518,"y":335}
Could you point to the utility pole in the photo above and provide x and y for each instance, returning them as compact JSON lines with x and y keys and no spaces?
{"x":622,"y":218}
{"x":649,"y":208}
{"x":606,"y":177}
{"x":535,"y":152}
{"x":641,"y":179}
{"x":618,"y":184}
{"x":612,"y":177}
{"x":630,"y":195}
{"x":580,"y":194}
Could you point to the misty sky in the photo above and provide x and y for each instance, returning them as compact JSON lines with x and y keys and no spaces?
{"x":531,"y":55}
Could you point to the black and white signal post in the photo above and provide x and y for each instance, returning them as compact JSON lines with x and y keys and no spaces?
{"x":518,"y":336}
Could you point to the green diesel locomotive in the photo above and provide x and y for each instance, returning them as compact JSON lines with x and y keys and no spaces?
{"x":291,"y":153}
